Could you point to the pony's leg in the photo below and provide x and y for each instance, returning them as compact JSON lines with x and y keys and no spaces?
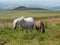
{"x":43,"y":30}
{"x":21,"y":29}
{"x":30,"y":29}
{"x":26,"y":30}
{"x":37,"y":28}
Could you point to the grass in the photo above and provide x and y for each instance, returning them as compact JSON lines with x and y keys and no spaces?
{"x":9,"y":16}
{"x":9,"y":36}
{"x":33,"y":13}
{"x":16,"y":37}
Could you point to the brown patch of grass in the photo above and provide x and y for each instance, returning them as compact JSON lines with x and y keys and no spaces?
{"x":6,"y":24}
{"x":51,"y":20}
{"x":58,"y":36}
{"x":10,"y":21}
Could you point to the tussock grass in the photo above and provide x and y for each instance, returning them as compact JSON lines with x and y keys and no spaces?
{"x":16,"y":37}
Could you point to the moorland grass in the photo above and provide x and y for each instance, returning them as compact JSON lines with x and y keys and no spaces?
{"x":11,"y":36}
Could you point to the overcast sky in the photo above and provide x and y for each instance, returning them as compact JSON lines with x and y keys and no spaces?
{"x":28,"y":0}
{"x":43,"y":2}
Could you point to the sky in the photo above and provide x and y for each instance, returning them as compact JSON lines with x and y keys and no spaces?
{"x":30,"y":3}
{"x":43,"y":2}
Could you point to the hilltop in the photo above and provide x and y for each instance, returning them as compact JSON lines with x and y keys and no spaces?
{"x":27,"y":8}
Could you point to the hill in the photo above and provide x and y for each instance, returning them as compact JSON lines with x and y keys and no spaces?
{"x":55,"y":8}
{"x":27,"y":8}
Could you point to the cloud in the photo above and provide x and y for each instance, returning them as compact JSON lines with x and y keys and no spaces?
{"x":38,"y":2}
{"x":11,"y":0}
{"x":30,"y":0}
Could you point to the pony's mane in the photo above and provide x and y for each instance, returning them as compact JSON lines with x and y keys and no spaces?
{"x":22,"y":17}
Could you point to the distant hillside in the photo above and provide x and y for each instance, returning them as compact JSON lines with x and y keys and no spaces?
{"x":55,"y":8}
{"x":26,"y":8}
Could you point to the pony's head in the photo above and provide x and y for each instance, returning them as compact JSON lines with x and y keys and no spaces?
{"x":15,"y":24}
{"x":17,"y":21}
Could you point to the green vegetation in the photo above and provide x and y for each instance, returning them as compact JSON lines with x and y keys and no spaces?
{"x":33,"y":13}
{"x":9,"y":36}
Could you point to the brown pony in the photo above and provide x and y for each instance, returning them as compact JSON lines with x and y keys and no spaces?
{"x":40,"y":25}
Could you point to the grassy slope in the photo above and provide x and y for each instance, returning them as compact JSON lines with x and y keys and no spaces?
{"x":37,"y":14}
{"x":33,"y":13}
{"x":9,"y":36}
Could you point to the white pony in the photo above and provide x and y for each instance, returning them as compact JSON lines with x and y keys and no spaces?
{"x":25,"y":23}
